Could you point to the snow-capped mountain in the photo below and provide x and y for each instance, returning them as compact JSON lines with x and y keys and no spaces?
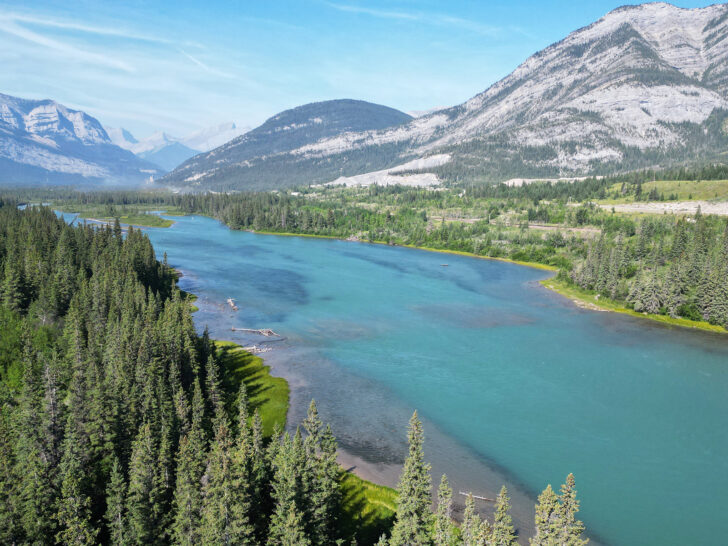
{"x":42,"y":141}
{"x":168,"y":151}
{"x":213,"y":137}
{"x":643,"y":86}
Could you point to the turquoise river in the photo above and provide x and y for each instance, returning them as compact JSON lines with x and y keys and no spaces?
{"x":515,"y":384}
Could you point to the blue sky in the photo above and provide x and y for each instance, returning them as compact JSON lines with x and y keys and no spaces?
{"x":181,"y":66}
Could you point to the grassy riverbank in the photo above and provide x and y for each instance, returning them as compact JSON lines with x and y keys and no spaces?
{"x":589,"y":300}
{"x":267,"y":394}
{"x":367,"y":509}
{"x":138,"y":216}
{"x":535,"y":265}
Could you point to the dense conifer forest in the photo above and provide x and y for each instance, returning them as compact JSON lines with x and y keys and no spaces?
{"x":118,"y":425}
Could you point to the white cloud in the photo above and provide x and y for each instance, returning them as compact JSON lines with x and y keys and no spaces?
{"x":205,"y":67}
{"x":9,"y":26}
{"x":422,"y":17}
{"x":89,"y":29}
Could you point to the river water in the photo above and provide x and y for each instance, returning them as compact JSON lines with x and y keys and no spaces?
{"x":515,"y":384}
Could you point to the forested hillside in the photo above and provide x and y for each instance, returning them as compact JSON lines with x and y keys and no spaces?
{"x":120,"y":425}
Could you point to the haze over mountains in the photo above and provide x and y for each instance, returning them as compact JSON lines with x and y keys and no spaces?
{"x":169,"y":151}
{"x":643,"y":86}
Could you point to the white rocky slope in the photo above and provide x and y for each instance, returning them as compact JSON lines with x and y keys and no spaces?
{"x":622,"y":80}
{"x":43,"y":141}
{"x":643,"y":86}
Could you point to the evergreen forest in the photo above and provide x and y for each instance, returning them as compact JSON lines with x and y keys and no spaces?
{"x":119,"y":424}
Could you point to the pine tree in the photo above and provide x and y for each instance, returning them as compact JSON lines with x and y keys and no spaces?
{"x":291,"y":532}
{"x":12,"y":287}
{"x":191,"y":458}
{"x":116,"y":506}
{"x":286,"y":488}
{"x":9,"y":532}
{"x":258,"y":480}
{"x":222,"y":522}
{"x":548,"y":519}
{"x":143,"y":503}
{"x":443,"y":535}
{"x":571,"y":527}
{"x":471,"y":527}
{"x":326,"y":495}
{"x":36,"y":491}
{"x":413,"y":510}
{"x":74,"y":510}
{"x":503,"y":533}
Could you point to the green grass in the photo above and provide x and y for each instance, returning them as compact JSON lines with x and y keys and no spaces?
{"x":591,"y":301}
{"x":267,"y":394}
{"x":144,"y":220}
{"x":191,"y":299}
{"x":686,"y":190}
{"x":138,"y":215}
{"x":368,"y":509}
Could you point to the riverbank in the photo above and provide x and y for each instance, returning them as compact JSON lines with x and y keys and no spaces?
{"x":534,"y":265}
{"x":594,"y":302}
{"x":368,"y":508}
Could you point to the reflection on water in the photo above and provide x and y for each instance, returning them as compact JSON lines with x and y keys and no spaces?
{"x":514,"y":383}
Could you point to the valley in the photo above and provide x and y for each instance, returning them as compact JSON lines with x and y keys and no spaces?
{"x":348,"y":317}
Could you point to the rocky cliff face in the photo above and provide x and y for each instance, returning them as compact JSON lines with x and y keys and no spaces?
{"x":643,"y":86}
{"x":42,"y":141}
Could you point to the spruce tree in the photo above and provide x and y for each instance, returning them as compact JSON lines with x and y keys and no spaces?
{"x":143,"y":498}
{"x":291,"y":532}
{"x":222,"y":521}
{"x":74,"y":509}
{"x":413,"y":510}
{"x":571,"y":527}
{"x":503,"y":533}
{"x":286,"y":488}
{"x":116,"y":523}
{"x":191,"y":459}
{"x":548,"y":519}
{"x":471,"y":527}
{"x":443,"y":535}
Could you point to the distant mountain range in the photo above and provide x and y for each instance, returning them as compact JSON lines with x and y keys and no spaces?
{"x":643,"y":86}
{"x":167,"y":151}
{"x":43,"y":142}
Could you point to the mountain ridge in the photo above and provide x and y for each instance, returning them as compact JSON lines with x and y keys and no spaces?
{"x":289,"y":130}
{"x":643,"y":85}
{"x":43,"y":141}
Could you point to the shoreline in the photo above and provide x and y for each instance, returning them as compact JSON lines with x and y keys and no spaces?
{"x":534,"y":265}
{"x":585,"y":300}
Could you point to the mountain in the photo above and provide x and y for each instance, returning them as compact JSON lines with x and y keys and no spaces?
{"x":121,"y":137}
{"x":645,"y":85}
{"x":43,"y":142}
{"x":167,"y":151}
{"x":212,"y":137}
{"x":251,"y":160}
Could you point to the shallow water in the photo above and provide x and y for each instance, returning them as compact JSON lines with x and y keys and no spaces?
{"x":514,"y":383}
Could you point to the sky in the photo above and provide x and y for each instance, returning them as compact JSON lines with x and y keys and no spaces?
{"x":181,"y":66}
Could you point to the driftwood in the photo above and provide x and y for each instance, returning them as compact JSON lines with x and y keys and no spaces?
{"x":262,"y":331}
{"x":477,"y":497}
